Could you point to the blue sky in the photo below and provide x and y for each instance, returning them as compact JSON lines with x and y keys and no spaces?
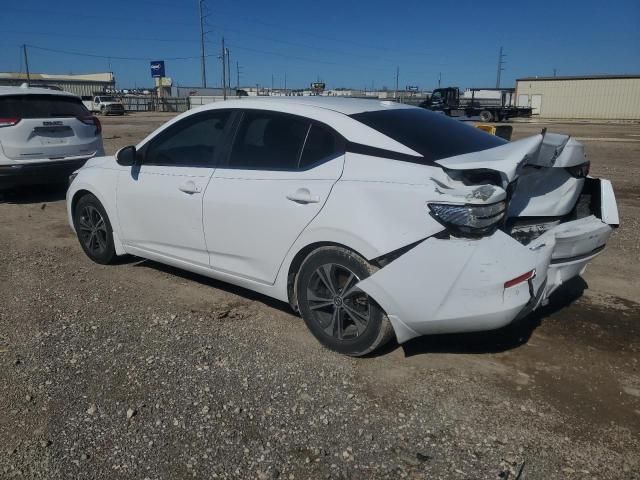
{"x":349,"y":44}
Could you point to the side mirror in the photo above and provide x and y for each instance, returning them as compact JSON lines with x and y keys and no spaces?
{"x":127,"y":156}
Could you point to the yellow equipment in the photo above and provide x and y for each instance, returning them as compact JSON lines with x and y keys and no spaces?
{"x":502,"y":131}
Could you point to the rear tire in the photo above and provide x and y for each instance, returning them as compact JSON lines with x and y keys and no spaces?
{"x":486,"y":116}
{"x":93,"y":229}
{"x":343,"y":318}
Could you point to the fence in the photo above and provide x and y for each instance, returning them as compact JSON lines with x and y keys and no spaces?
{"x":182,"y":104}
{"x":155,"y":104}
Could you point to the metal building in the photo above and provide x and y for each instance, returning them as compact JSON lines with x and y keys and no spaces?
{"x":81,"y":85}
{"x":600,"y":97}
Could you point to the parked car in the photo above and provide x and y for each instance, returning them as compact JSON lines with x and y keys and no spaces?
{"x":370,"y":218}
{"x":44,"y":136}
{"x":104,"y":105}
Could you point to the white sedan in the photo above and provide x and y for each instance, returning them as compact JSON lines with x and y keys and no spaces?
{"x":370,"y":218}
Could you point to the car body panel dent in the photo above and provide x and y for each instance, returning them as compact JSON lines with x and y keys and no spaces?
{"x":462,"y":296}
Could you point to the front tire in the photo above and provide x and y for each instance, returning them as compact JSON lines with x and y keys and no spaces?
{"x":93,"y":229}
{"x":342,"y":317}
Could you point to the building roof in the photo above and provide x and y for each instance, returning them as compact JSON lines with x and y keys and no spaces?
{"x":85,"y":77}
{"x":581,"y":77}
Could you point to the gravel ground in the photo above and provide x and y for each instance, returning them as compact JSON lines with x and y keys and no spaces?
{"x":141,"y":371}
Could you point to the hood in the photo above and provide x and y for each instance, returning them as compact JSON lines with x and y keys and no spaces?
{"x":542,"y":150}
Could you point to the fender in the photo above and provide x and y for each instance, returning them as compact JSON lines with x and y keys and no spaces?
{"x":108,"y":181}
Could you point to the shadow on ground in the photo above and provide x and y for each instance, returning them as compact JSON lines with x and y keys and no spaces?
{"x":495,"y":341}
{"x":210,"y":282}
{"x":34,"y":194}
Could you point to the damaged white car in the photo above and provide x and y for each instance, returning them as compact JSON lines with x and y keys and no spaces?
{"x":370,"y":218}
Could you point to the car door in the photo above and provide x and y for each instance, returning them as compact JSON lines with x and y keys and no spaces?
{"x":276,"y":179}
{"x":159,"y":202}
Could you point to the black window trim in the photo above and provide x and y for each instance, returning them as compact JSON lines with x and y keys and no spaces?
{"x":353,"y":147}
{"x":224,"y":162}
{"x":213,"y":162}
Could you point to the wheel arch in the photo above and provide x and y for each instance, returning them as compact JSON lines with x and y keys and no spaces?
{"x":83,"y":190}
{"x":297,"y":260}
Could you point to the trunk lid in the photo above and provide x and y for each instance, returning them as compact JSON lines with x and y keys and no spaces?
{"x":535,"y":170}
{"x":543,"y":150}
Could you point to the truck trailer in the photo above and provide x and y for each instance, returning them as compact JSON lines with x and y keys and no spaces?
{"x":491,"y":105}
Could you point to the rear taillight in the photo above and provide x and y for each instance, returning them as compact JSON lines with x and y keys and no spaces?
{"x":469,"y":220}
{"x":91,"y":120}
{"x":8,"y":122}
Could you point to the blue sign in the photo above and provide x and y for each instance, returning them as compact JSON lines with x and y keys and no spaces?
{"x":157,"y":69}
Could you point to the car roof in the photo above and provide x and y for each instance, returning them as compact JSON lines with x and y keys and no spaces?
{"x":344,"y":105}
{"x":33,"y":91}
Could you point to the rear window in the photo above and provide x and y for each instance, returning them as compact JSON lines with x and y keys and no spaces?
{"x":41,"y":106}
{"x":433,"y":135}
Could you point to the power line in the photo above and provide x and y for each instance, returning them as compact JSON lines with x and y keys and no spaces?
{"x":106,"y":37}
{"x":121,"y":19}
{"x":113,"y":57}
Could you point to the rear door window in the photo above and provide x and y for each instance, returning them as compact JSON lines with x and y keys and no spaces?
{"x":41,"y":106}
{"x":322,"y":144}
{"x":268,"y":141}
{"x":433,"y":135}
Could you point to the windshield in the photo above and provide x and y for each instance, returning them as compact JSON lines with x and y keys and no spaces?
{"x":41,"y":106}
{"x":433,"y":135}
{"x":107,"y":99}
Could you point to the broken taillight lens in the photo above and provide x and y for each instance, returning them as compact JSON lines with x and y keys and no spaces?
{"x":469,"y":220}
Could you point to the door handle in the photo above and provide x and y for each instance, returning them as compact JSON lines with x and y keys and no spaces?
{"x":303,"y":195}
{"x":189,"y":187}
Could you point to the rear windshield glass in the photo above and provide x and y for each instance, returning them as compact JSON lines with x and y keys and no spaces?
{"x":41,"y":106}
{"x":433,"y":135}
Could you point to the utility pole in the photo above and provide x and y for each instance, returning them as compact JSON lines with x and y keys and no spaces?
{"x":226,"y":50}
{"x":26,"y":62}
{"x":554,"y":72}
{"x":237,"y":76}
{"x":272,"y":84}
{"x":439,"y":79}
{"x":397,"y":77}
{"x":285,"y":83}
{"x":224,"y":72}
{"x":203,"y":65}
{"x":500,"y":67}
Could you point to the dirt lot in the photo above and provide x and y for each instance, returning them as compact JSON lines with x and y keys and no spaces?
{"x":140,"y":371}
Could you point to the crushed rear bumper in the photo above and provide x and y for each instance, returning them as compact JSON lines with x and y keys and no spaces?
{"x":458,"y":285}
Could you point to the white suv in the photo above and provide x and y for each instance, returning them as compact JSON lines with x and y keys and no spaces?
{"x":44,"y":136}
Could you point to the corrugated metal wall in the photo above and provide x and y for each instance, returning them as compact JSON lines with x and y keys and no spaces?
{"x":77,"y":88}
{"x":605,"y":99}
